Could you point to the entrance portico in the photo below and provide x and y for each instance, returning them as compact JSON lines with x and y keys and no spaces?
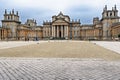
{"x":60,"y":31}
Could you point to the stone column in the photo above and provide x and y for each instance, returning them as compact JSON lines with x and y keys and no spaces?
{"x":67,"y":31}
{"x":46,"y":31}
{"x":43,"y":31}
{"x":49,"y":31}
{"x":57,"y":31}
{"x":61,"y":31}
{"x":52,"y":31}
{"x":64,"y":31}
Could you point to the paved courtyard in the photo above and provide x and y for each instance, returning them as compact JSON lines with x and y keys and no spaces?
{"x":111,"y":45}
{"x":63,"y":60}
{"x":58,"y":69}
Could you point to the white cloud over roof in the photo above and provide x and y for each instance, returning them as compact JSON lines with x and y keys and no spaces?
{"x":58,"y":4}
{"x":47,"y":8}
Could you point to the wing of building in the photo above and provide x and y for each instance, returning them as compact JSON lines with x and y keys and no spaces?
{"x":61,"y":27}
{"x":12,"y":29}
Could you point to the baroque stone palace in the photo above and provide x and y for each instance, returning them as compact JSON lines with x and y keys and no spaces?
{"x":61,"y":27}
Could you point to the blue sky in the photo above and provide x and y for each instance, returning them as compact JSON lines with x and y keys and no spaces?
{"x":42,"y":10}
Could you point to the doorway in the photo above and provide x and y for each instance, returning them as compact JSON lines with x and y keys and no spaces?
{"x":59,"y":34}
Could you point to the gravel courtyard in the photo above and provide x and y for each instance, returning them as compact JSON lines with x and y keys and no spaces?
{"x":57,"y":49}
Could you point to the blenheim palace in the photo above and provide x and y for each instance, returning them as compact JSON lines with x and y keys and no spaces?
{"x":61,"y":27}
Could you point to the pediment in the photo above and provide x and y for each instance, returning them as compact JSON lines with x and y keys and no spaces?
{"x":60,"y":22}
{"x":60,"y":16}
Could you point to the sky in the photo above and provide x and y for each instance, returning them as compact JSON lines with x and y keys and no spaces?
{"x":42,"y":10}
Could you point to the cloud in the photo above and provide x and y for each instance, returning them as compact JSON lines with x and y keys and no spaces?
{"x":57,"y":4}
{"x":44,"y":9}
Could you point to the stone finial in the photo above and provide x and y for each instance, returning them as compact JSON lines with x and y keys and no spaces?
{"x":17,"y":13}
{"x":12,"y":11}
{"x":79,"y":20}
{"x":43,"y":22}
{"x":105,"y":8}
{"x":60,"y":13}
{"x":35,"y":22}
{"x":115,"y":7}
{"x":75,"y":20}
{"x":5,"y":11}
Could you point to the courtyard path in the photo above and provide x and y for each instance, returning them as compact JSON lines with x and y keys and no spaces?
{"x":111,"y":45}
{"x":58,"y":69}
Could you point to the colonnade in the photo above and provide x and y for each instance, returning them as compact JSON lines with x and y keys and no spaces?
{"x":60,"y":31}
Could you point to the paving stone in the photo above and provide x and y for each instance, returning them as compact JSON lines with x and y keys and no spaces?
{"x":58,"y":69}
{"x":111,"y":45}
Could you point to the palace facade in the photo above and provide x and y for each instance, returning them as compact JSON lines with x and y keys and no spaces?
{"x":61,"y":27}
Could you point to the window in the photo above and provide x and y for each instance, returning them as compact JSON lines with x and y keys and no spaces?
{"x":114,"y":13}
{"x":107,"y":14}
{"x":111,"y":14}
{"x":8,"y":17}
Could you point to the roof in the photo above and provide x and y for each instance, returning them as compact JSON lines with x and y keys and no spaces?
{"x":115,"y":24}
{"x":39,"y":26}
{"x":88,"y":25}
{"x":61,"y":14}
